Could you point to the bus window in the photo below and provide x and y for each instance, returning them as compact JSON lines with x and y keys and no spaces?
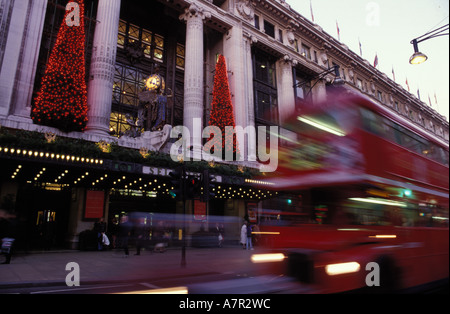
{"x":431,"y":216}
{"x":439,"y":217}
{"x":388,"y":130}
{"x":371,"y":122}
{"x":373,"y":214}
{"x":442,"y":156}
{"x":367,"y":214}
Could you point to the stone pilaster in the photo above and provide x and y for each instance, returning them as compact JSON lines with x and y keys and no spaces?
{"x":250,"y":102}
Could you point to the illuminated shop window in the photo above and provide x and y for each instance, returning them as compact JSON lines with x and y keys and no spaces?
{"x":181,"y":53}
{"x":118,"y":124}
{"x":128,"y":83}
{"x":153,"y":45}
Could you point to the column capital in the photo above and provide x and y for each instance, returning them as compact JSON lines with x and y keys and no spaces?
{"x":194,"y":11}
{"x":287,"y":59}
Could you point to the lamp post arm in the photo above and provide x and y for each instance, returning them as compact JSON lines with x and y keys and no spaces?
{"x":334,"y":69}
{"x":431,"y":34}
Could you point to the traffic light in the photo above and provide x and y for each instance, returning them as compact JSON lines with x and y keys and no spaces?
{"x":208,"y":186}
{"x":177,"y":181}
{"x":193,"y":187}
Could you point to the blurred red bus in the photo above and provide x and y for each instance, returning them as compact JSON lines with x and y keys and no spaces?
{"x":369,"y":186}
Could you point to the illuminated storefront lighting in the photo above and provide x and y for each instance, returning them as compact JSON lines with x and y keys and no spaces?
{"x":258,"y":182}
{"x":47,"y":155}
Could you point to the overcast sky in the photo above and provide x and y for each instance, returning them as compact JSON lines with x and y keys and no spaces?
{"x":385,"y":28}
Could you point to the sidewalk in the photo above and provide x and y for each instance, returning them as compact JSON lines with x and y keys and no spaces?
{"x":49,"y":268}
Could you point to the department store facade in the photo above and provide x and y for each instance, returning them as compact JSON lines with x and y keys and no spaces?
{"x":275,"y":57}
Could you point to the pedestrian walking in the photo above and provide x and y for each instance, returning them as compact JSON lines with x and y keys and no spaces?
{"x":124,"y":233}
{"x":100,"y":229}
{"x":219,"y":231}
{"x":244,"y":234}
{"x":113,"y":230}
{"x":160,"y":238}
{"x":8,"y":229}
{"x":256,"y":235}
{"x":249,"y":237}
{"x":140,"y":235}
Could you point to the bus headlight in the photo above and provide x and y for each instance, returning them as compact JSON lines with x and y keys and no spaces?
{"x":342,"y":268}
{"x":267,"y":258}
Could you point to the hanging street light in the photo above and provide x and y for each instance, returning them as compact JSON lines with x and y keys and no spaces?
{"x":419,"y":57}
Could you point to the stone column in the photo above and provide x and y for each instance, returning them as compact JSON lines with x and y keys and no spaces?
{"x":28,"y":60}
{"x":13,"y":18}
{"x":286,"y":95}
{"x":194,"y":76}
{"x":102,"y":67}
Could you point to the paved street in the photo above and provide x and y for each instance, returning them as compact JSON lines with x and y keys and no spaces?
{"x":111,"y":268}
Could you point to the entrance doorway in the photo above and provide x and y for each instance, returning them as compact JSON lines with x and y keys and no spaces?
{"x":43,"y":217}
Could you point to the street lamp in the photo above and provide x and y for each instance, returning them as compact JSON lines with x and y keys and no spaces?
{"x":419,"y":57}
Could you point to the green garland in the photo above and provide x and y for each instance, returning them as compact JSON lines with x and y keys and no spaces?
{"x":27,"y":140}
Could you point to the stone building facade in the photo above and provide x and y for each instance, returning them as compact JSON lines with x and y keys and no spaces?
{"x":250,"y":34}
{"x":274,"y":57}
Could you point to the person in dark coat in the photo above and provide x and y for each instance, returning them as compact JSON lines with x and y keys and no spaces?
{"x":249,"y":237}
{"x":140,"y":232}
{"x":8,"y":229}
{"x":100,"y":228}
{"x":113,"y":230}
{"x":125,"y":227}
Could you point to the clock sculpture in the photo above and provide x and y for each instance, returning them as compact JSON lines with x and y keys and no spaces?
{"x":153,"y":103}
{"x":155,"y":83}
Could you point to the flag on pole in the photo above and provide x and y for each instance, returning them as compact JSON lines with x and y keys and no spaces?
{"x":429,"y":100}
{"x":338,"y":31}
{"x":312,"y":13}
{"x":360,"y":48}
{"x":418,"y":93}
{"x":393,"y":73}
{"x":375,"y":62}
{"x":435,"y":98}
{"x":407,"y":84}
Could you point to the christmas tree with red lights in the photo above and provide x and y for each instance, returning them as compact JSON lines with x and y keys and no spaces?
{"x":62,"y":99}
{"x":222,"y":111}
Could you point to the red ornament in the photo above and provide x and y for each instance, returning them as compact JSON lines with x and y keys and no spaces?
{"x":62,"y":99}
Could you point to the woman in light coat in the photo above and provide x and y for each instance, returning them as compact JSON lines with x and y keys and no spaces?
{"x":244,"y":234}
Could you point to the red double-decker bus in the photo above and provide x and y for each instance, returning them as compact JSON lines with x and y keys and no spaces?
{"x":366,"y":193}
